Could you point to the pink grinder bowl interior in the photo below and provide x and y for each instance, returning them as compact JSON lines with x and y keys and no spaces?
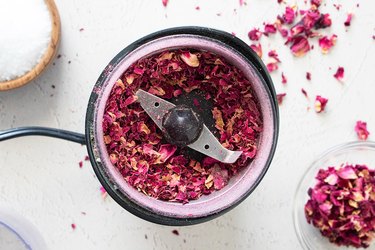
{"x":240,"y":185}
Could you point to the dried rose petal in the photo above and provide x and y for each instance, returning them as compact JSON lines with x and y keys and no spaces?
{"x":324,"y":21}
{"x":254,"y":34}
{"x":317,"y":3}
{"x":338,"y":208}
{"x":280,"y":98}
{"x":304,"y":92}
{"x":190,"y":59}
{"x":300,"y":46}
{"x":361,"y":130}
{"x":339,"y":75}
{"x":348,"y":19}
{"x":326,"y":43}
{"x":289,"y":15}
{"x":175,"y":232}
{"x":269,"y":29}
{"x":273,"y":54}
{"x":284,"y":80}
{"x":257,"y":48}
{"x":308,"y":76}
{"x":347,"y":173}
{"x":272,"y":66}
{"x":320,"y":104}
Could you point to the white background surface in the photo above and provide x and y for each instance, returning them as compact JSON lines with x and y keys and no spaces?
{"x":40,"y":177}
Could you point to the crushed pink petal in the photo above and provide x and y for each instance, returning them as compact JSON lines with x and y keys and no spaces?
{"x":320,"y":104}
{"x":326,"y":43}
{"x":361,"y":130}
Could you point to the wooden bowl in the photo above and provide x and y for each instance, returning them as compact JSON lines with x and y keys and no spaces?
{"x":46,"y":58}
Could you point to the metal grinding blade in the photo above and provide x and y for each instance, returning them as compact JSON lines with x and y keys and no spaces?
{"x":207,"y":144}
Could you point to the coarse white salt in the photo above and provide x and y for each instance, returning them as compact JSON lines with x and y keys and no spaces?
{"x":25,"y":33}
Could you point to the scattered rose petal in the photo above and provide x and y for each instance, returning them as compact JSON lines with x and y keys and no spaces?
{"x":304,"y":93}
{"x":348,"y":19}
{"x":274,"y":55}
{"x":87,"y":158}
{"x":317,"y":3}
{"x":165,"y":2}
{"x":80,"y":164}
{"x":337,"y":6}
{"x":308,"y":76}
{"x":326,"y":43}
{"x":73,"y":226}
{"x":339,"y":75}
{"x":361,"y":130}
{"x":103,"y":192}
{"x":300,"y":46}
{"x":175,"y":232}
{"x":254,"y":34}
{"x":284,"y":80}
{"x":272,"y":66}
{"x":197,"y":8}
{"x":320,"y":104}
{"x":269,"y":29}
{"x":280,"y":98}
{"x":81,"y":29}
{"x":258,"y":49}
{"x":289,"y":15}
{"x":324,"y":21}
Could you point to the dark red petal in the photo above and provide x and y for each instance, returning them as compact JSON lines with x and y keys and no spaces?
{"x":339,"y":75}
{"x":280,"y":98}
{"x":308,"y":76}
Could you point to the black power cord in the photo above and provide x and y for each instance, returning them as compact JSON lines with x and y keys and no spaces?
{"x":50,"y":132}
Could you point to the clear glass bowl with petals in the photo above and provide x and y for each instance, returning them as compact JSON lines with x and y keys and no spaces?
{"x":354,"y":153}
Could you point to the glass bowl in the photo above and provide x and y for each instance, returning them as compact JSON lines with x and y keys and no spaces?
{"x":352,"y":152}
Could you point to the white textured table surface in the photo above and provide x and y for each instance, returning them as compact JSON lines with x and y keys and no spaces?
{"x":40,"y":177}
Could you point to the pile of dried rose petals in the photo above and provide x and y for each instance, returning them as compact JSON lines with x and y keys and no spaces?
{"x":298,"y":27}
{"x":342,"y":205}
{"x":136,"y":146}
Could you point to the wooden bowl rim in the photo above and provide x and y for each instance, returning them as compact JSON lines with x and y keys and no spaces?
{"x":46,"y":58}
